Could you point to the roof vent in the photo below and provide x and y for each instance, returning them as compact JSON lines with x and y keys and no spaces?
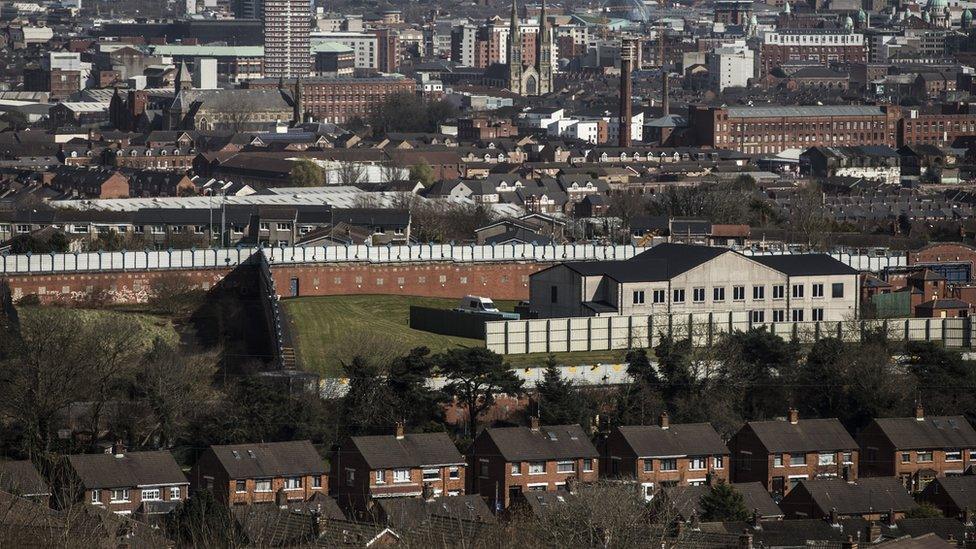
{"x":237,"y":455}
{"x":250,"y":454}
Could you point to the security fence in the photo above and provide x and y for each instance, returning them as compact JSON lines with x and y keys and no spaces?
{"x":609,"y":333}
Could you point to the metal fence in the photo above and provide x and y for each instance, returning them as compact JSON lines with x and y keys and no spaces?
{"x":609,"y":333}
{"x":148,"y":260}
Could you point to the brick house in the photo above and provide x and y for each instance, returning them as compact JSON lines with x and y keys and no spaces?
{"x":242,"y":474}
{"x":403,"y":464}
{"x":917,"y":449}
{"x":507,"y":461}
{"x":955,"y":496}
{"x":121,"y":482}
{"x":665,"y":455}
{"x":88,"y":183}
{"x":782,"y":453}
{"x":867,"y":498}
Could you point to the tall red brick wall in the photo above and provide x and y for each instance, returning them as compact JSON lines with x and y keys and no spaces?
{"x":509,"y":281}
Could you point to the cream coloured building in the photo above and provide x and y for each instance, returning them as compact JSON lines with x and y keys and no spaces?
{"x":682,"y":279}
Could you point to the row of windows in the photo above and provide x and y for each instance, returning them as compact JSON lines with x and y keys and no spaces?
{"x":823,"y":458}
{"x":695,"y":463}
{"x":264,"y":484}
{"x":798,"y":291}
{"x":121,"y":495}
{"x":779,"y":315}
{"x":926,"y":456}
{"x":539,"y":467}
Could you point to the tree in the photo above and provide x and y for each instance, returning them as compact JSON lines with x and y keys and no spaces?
{"x":366,"y":408}
{"x":723,"y":503}
{"x":422,"y":173}
{"x":172,"y":386}
{"x":640,"y":368}
{"x":560,"y":401}
{"x":417,"y":404}
{"x":306,"y":173}
{"x":175,"y":295}
{"x":924,"y":510}
{"x":821,"y":380}
{"x":475,"y":377}
{"x":757,"y":368}
{"x":350,"y":173}
{"x":202,"y":521}
{"x":946,"y":380}
{"x":674,"y":364}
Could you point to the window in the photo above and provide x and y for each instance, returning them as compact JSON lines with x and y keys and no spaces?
{"x":484,"y":468}
{"x":174,"y":492}
{"x":432,"y":474}
{"x":566,"y":466}
{"x":293,"y":483}
{"x":638,"y":297}
{"x":758,"y":316}
{"x":264,"y":227}
{"x":837,"y":290}
{"x":778,"y":460}
{"x":264,"y":484}
{"x":241,"y":486}
{"x":679,"y":296}
{"x":177,"y":229}
{"x":816,"y":290}
{"x":648,"y":465}
{"x":779,"y":291}
{"x":669,"y":464}
{"x":553,"y":294}
{"x":120,"y":495}
{"x":924,"y":457}
{"x":718,"y":462}
{"x":284,"y":226}
{"x":316,"y":481}
{"x":537,"y":467}
{"x":718,"y":294}
{"x":798,"y":290}
{"x":698,"y":295}
{"x":157,"y":229}
{"x":516,"y":467}
{"x":96,"y":496}
{"x":454,"y":472}
{"x":779,"y":315}
{"x":797,"y":315}
{"x":953,"y":455}
{"x":697,"y":463}
{"x":738,"y":293}
{"x":23,"y":228}
{"x":758,"y":292}
{"x":401,"y":475}
{"x":825,"y":458}
{"x":587,"y":465}
{"x":848,"y":457}
{"x":798,"y":460}
{"x":906,"y":457}
{"x":658,"y":296}
{"x":150,"y":494}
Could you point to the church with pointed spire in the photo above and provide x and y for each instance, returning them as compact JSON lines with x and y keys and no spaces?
{"x":528,"y":79}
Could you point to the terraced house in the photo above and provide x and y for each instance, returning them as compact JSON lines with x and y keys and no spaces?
{"x":506,"y":462}
{"x":123,"y":482}
{"x":665,"y":455}
{"x":917,"y":449}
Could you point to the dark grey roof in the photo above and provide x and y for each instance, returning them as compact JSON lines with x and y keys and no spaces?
{"x":783,"y":533}
{"x":269,"y":459}
{"x":866,"y":495}
{"x":959,"y":489}
{"x":539,"y":503}
{"x":128,"y":470}
{"x":659,"y":263}
{"x":754,"y":494}
{"x":952,"y":432}
{"x":807,"y":111}
{"x":548,"y":442}
{"x":806,"y":435}
{"x":805,"y":264}
{"x":21,"y":478}
{"x":413,"y":450}
{"x":408,"y":512}
{"x":684,"y":439}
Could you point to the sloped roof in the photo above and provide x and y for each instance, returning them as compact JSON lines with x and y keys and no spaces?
{"x":548,"y":442}
{"x":128,"y":470}
{"x":754,"y":495}
{"x":875,"y":494}
{"x":806,"y":435}
{"x":805,"y":264}
{"x":413,"y":450}
{"x":409,"y":512}
{"x":684,"y":439}
{"x":269,"y":459}
{"x":21,"y":478}
{"x":960,"y":489}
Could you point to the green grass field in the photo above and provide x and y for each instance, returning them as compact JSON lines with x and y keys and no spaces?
{"x":331,"y":330}
{"x":150,"y":326}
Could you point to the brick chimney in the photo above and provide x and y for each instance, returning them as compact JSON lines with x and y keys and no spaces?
{"x":919,"y":412}
{"x":118,"y":449}
{"x":872,"y":532}
{"x":534,"y":423}
{"x":967,"y":517}
{"x":625,"y":114}
{"x":664,"y":421}
{"x":891,"y":517}
{"x":755,"y":520}
{"x":427,"y":492}
{"x":849,"y":543}
{"x":398,"y":430}
{"x":833,"y":517}
{"x":281,"y":498}
{"x":793,"y":415}
{"x":745,"y":540}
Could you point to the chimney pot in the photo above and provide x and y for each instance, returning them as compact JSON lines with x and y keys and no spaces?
{"x":664,"y":421}
{"x":833,"y":517}
{"x":118,"y":449}
{"x":919,"y":412}
{"x":793,"y":415}
{"x":398,"y":429}
{"x":891,"y":517}
{"x":745,"y":540}
{"x":534,"y":423}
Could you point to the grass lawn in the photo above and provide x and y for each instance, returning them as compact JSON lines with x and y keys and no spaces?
{"x":150,"y":326}
{"x":331,"y":330}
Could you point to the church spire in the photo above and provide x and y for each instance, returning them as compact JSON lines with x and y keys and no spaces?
{"x":183,"y":79}
{"x":544,"y":52}
{"x":514,"y":52}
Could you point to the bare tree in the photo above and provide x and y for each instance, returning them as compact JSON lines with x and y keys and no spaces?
{"x":350,"y":173}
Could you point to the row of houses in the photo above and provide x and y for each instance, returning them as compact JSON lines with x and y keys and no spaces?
{"x":791,"y":460}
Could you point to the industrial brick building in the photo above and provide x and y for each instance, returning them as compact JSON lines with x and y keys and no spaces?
{"x":342,"y":99}
{"x":822,"y":46}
